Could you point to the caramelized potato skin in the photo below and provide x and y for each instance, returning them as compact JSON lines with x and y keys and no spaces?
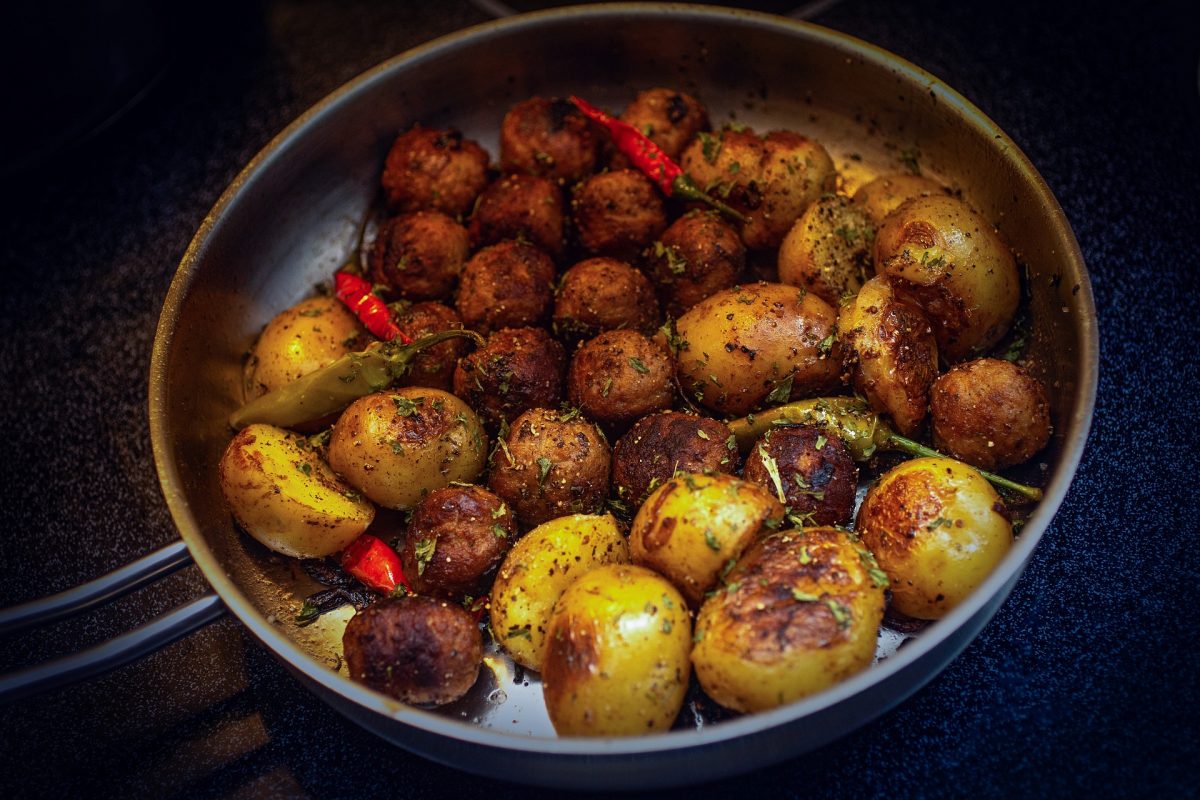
{"x":458,"y":536}
{"x":419,"y":256}
{"x":549,"y":137}
{"x":886,"y":193}
{"x":697,"y":256}
{"x":416,"y":649}
{"x":603,"y":294}
{"x":518,"y":369}
{"x":431,"y":169}
{"x":621,"y":376}
{"x":659,"y":445}
{"x":828,"y":250}
{"x":311,"y":334}
{"x":989,"y":413}
{"x":506,"y":285}
{"x":521,"y":207}
{"x":817,"y":474}
{"x":617,"y":213}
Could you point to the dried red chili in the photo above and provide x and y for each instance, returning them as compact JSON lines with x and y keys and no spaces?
{"x":369,"y":559}
{"x":356,"y":293}
{"x":651,"y":160}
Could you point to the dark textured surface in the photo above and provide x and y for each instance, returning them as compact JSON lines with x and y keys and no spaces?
{"x":1086,"y":681}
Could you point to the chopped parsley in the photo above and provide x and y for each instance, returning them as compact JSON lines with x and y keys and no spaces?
{"x":543,"y":469}
{"x":782,"y":390}
{"x":637,"y":364}
{"x":424,"y":552}
{"x":711,"y":540}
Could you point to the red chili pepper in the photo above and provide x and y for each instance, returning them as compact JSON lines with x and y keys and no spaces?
{"x":370,"y":560}
{"x":356,"y":293}
{"x":651,"y":160}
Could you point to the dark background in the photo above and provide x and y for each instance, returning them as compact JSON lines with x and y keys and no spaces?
{"x":1085,"y":682}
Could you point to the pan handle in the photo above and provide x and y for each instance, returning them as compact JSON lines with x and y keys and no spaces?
{"x":109,"y":655}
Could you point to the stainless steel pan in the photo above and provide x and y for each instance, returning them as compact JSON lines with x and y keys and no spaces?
{"x":289,"y":219}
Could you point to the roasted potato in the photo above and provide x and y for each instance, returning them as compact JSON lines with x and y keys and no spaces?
{"x":799,"y":612}
{"x":311,"y":334}
{"x":947,"y":259}
{"x":537,"y":570}
{"x":621,"y":376}
{"x":758,"y":342}
{"x":456,"y":540}
{"x":284,"y":495}
{"x":694,"y":526}
{"x":399,"y":445}
{"x":989,"y":413}
{"x":886,"y":193}
{"x":891,"y":351}
{"x":617,"y":213}
{"x":430,"y":169}
{"x":616,"y":655}
{"x":659,"y":445}
{"x":812,"y":474}
{"x":828,"y":250}
{"x":603,"y":294}
{"x":938,"y":529}
{"x":518,"y":369}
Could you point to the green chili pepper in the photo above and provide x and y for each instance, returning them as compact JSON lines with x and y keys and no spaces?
{"x":334,"y":387}
{"x":852,"y":421}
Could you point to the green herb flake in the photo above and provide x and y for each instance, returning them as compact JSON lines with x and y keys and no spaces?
{"x":406,"y":406}
{"x":805,"y":597}
{"x":825,"y":345}
{"x":397,"y":447}
{"x":710,"y":147}
{"x":821,"y":441}
{"x":667,"y":625}
{"x":500,"y":512}
{"x":702,"y":434}
{"x":940,"y":522}
{"x":424,"y":551}
{"x":841,"y":614}
{"x":516,"y":631}
{"x":637,"y":364}
{"x":781,"y":392}
{"x":312,"y":312}
{"x":607,"y":387}
{"x":499,"y":531}
{"x":772,"y":467}
{"x":711,"y":540}
{"x":304,"y":467}
{"x":731,"y":442}
{"x":805,"y":556}
{"x":911,"y":160}
{"x":543,"y":469}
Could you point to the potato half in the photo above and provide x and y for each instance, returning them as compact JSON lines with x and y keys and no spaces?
{"x":616,"y":658}
{"x":285,"y":496}
{"x":539,"y":568}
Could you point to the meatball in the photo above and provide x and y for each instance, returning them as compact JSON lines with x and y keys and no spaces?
{"x":552,"y":464}
{"x":521,"y":207}
{"x":698,"y":256}
{"x":518,"y":369}
{"x":815,"y":474}
{"x":550,"y":138}
{"x":418,"y":256}
{"x":828,"y":250}
{"x":507,"y":285}
{"x":620,"y":376}
{"x":456,"y":540}
{"x":415,"y":649}
{"x":658,"y":445}
{"x":989,"y":413}
{"x":428,"y":169}
{"x":617,"y":213}
{"x":433,"y":366}
{"x":668,"y":117}
{"x":603,"y":294}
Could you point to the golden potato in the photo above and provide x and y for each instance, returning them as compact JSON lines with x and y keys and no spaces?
{"x":616,"y":656}
{"x":938,"y":529}
{"x":799,"y":612}
{"x":891,"y":351}
{"x":694,"y":526}
{"x":760,"y":342}
{"x":285,"y":496}
{"x":886,"y":193}
{"x":539,"y":568}
{"x":398,"y":446}
{"x":311,"y":334}
{"x":828,"y":250}
{"x":947,"y":259}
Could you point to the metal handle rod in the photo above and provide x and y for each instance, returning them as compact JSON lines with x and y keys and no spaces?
{"x":114,"y":653}
{"x":102,"y":590}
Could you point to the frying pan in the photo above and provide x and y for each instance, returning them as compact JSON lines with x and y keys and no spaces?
{"x":289,"y":219}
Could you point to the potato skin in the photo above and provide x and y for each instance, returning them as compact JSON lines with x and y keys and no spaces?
{"x":399,"y":445}
{"x":669,"y":118}
{"x":828,"y":472}
{"x":799,"y":612}
{"x":419,"y":256}
{"x":620,"y":376}
{"x":431,"y":169}
{"x":828,"y":250}
{"x":539,"y":568}
{"x":697,"y":256}
{"x":617,"y":213}
{"x":285,"y":496}
{"x":518,"y":369}
{"x":938,"y":528}
{"x":603,"y":294}
{"x":521,"y":207}
{"x":506,"y":285}
{"x":456,"y":540}
{"x":745,"y":342}
{"x":989,"y":413}
{"x":693,"y":526}
{"x":311,"y":334}
{"x":616,"y":661}
{"x":549,"y":137}
{"x":659,"y":445}
{"x":891,"y":353}
{"x":948,"y":260}
{"x":886,"y":193}
{"x":416,"y":649}
{"x":551,"y":466}
{"x":433,"y":366}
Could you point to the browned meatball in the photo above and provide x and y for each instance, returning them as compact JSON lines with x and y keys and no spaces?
{"x":548,"y":137}
{"x":521,"y":207}
{"x":415,"y":649}
{"x":518,"y":369}
{"x":816,"y":472}
{"x":658,"y":445}
{"x":697,"y":256}
{"x":989,"y":413}
{"x":456,"y":540}
{"x":552,"y":464}
{"x":668,"y":117}
{"x":507,"y":285}
{"x":617,"y":213}
{"x":620,"y":376}
{"x":429,"y":169}
{"x":603,"y":294}
{"x":433,"y":366}
{"x":418,"y":256}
